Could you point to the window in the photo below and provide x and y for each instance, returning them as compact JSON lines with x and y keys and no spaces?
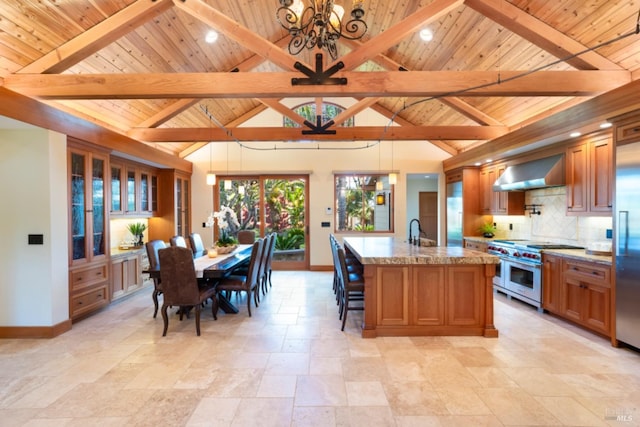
{"x":308,"y":111}
{"x":362,"y":207}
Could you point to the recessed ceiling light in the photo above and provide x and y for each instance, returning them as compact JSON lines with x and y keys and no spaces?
{"x":478,"y":163}
{"x":488,"y":160}
{"x":605,"y":125}
{"x":426,"y":35}
{"x":211,"y":37}
{"x":575,"y":134}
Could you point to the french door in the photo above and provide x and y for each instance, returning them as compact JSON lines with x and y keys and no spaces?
{"x":270,"y":204}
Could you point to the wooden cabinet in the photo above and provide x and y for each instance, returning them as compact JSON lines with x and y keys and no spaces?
{"x":587,"y":295}
{"x":498,"y":202}
{"x":133,"y":188}
{"x":475,"y":245}
{"x":579,"y":291}
{"x":88,"y":229}
{"x":173,"y":216}
{"x":552,"y":283}
{"x":589,"y":176}
{"x":126,"y":274}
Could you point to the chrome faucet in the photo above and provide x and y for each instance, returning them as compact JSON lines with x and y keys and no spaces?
{"x":415,"y":241}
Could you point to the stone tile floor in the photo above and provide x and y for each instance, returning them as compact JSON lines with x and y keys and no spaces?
{"x":290,"y":365}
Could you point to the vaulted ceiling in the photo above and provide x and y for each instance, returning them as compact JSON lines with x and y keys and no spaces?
{"x":142,"y":68}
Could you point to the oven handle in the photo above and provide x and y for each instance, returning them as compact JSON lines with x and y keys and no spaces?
{"x":522,"y":264}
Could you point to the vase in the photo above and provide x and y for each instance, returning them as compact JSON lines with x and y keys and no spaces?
{"x":225,"y":249}
{"x":139,"y":242}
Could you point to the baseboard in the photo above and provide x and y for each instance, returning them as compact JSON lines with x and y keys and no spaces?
{"x":321,"y":268}
{"x":35,"y":331}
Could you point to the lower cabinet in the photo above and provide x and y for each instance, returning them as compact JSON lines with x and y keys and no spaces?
{"x":88,"y":289}
{"x":126,"y":274}
{"x":579,"y":291}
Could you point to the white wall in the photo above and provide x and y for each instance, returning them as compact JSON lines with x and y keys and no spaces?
{"x":33,"y":278}
{"x":321,"y":161}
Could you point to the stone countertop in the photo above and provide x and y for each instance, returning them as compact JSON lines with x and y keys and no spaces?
{"x":389,"y":251}
{"x":115,"y":252}
{"x":580,"y":255}
{"x":577,"y":254}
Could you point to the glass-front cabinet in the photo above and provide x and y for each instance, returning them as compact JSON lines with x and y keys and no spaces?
{"x":88,"y":229}
{"x":134,"y":189}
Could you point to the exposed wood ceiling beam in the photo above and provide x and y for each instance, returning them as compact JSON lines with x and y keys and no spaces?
{"x":541,"y":34}
{"x":393,"y":35}
{"x":604,"y":107}
{"x":284,"y":110}
{"x":356,"y":108}
{"x":402,"y":122}
{"x":238,"y":32}
{"x":413,"y":133}
{"x":270,"y":85}
{"x":97,"y":37}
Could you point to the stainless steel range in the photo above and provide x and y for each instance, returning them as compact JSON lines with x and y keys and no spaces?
{"x":520,"y":268}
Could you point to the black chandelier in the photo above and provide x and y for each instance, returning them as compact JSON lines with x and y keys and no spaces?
{"x":319,"y":23}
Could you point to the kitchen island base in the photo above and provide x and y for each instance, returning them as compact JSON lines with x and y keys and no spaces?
{"x":433,"y":291}
{"x":435,"y":300}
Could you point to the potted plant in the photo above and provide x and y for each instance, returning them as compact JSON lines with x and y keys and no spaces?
{"x":226,"y":218}
{"x":487,"y":230}
{"x":137,"y":229}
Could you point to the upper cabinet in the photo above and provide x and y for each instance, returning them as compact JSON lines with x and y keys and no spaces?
{"x":589,"y":168}
{"x":134,"y":189}
{"x":498,"y":202}
{"x":173,"y":215}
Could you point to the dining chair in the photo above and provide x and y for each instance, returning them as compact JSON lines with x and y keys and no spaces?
{"x":246,"y":237}
{"x":180,"y":285}
{"x":197,"y":247}
{"x":248,"y":283}
{"x":351,"y":288}
{"x":152,"y":247}
{"x":178,"y":241}
{"x":271,"y":248}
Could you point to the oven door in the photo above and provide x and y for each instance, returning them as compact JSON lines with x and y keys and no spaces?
{"x":523,"y":279}
{"x":498,"y":278}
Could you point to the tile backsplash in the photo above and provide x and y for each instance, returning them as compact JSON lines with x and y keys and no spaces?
{"x":552,"y":224}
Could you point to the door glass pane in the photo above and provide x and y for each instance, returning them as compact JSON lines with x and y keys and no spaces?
{"x":98,"y":208}
{"x":116,"y":186}
{"x":185,"y":209}
{"x":131,"y":191}
{"x":284,"y":214}
{"x":243,"y":197}
{"x":78,"y":233}
{"x":144,"y":192}
{"x":179,"y":221}
{"x":154,"y":193}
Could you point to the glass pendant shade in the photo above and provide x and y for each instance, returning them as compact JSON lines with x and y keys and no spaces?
{"x":211,"y":178}
{"x":393,"y":178}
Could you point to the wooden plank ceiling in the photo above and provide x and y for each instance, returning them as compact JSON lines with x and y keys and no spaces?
{"x":142,"y":67}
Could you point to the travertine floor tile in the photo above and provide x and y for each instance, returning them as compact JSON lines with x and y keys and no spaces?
{"x":290,"y":365}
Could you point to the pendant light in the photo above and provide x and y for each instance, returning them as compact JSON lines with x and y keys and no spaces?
{"x":379,"y":185}
{"x":393,"y":177}
{"x":211,"y":175}
{"x":227,"y":182}
{"x":241,"y":185}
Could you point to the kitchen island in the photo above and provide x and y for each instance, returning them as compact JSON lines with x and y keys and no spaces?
{"x":417,"y":291}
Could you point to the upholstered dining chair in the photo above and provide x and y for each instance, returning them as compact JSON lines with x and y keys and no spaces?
{"x":152,"y":248}
{"x":351,"y":287}
{"x":249,"y":283}
{"x":178,"y":241}
{"x":180,"y":285}
{"x":197,"y":247}
{"x":246,"y":237}
{"x":271,"y":248}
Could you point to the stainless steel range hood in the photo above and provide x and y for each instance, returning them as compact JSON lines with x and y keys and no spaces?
{"x":541,"y":173}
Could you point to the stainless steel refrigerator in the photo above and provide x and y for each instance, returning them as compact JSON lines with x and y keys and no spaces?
{"x":454,"y":214}
{"x":627,"y":243}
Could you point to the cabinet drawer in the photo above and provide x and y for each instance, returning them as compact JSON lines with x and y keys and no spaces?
{"x":593,"y":273}
{"x":88,"y":276}
{"x":88,"y":301}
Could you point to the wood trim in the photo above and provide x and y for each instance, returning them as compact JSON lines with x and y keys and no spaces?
{"x":35,"y":331}
{"x":19,"y":107}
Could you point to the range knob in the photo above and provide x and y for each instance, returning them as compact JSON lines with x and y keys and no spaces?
{"x":516,"y":254}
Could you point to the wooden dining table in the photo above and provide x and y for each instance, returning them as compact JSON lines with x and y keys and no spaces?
{"x":213,"y":268}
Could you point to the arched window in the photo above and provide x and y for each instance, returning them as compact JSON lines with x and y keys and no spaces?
{"x":308,"y":111}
